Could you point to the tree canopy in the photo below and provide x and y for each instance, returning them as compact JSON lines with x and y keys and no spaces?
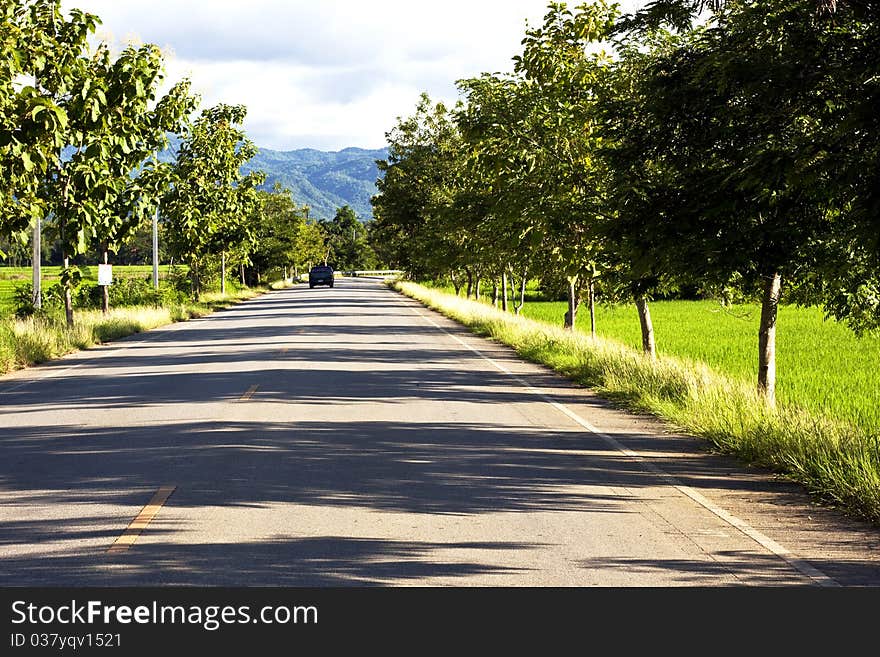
{"x":710,"y":146}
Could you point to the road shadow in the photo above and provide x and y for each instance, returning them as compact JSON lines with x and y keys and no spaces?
{"x":330,"y":561}
{"x":104,"y":445}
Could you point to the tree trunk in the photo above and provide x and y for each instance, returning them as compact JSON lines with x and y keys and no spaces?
{"x":196,"y":281}
{"x":455,"y":283}
{"x":517,"y":309}
{"x":767,"y":339}
{"x":573,"y":302}
{"x":495,"y":293}
{"x":105,"y":290}
{"x":591,"y":286}
{"x":155,"y":248}
{"x":68,"y":297}
{"x":649,"y":346}
{"x":477,"y":284}
{"x":470,"y":282}
{"x":504,"y":290}
{"x":223,"y":273}
{"x":241,"y":272}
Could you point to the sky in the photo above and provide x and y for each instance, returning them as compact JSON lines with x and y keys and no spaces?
{"x":325,"y":74}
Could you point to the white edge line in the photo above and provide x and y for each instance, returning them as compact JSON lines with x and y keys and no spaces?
{"x":768,"y":543}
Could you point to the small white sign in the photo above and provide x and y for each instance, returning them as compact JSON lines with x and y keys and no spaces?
{"x":105,"y":274}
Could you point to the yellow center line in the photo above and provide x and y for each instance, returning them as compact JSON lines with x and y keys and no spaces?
{"x":249,"y":393}
{"x":144,"y":518}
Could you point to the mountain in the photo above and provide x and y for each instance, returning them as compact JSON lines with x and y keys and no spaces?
{"x":325,"y":181}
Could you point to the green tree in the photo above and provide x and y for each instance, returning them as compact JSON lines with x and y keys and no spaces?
{"x":310,"y":247}
{"x":43,"y":65}
{"x":346,"y":238}
{"x":534,"y":133}
{"x":101,"y":190}
{"x":280,"y":224}
{"x":123,"y":146}
{"x":417,"y":183}
{"x":209,"y":208}
{"x":719,"y":155}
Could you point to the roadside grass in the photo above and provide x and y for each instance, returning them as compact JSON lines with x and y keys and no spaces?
{"x":27,"y":342}
{"x":837,"y":461}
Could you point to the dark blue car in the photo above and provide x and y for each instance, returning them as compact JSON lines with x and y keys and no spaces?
{"x":321,"y":275}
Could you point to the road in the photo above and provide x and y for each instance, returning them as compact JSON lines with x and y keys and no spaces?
{"x":348,"y":436}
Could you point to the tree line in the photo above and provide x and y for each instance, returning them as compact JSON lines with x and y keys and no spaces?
{"x":81,"y":130}
{"x":731,"y":148}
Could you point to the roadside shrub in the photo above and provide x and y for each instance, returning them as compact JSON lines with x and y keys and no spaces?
{"x":134,"y":292}
{"x":171,"y":295}
{"x":23,"y":300}
{"x":87,"y":296}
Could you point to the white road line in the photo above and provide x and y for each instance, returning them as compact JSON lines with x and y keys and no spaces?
{"x":768,"y":543}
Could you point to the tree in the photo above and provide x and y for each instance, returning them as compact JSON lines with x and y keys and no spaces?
{"x":417,"y":183}
{"x":535,"y":135}
{"x":92,"y":190}
{"x":43,"y":65}
{"x":310,"y":246}
{"x":720,"y":133}
{"x":280,"y":224}
{"x":346,"y":238}
{"x":116,"y":168}
{"x":210,"y":204}
{"x":841,"y":155}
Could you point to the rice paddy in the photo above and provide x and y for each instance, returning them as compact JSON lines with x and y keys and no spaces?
{"x":821,"y":365}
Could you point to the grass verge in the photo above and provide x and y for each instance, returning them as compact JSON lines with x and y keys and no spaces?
{"x":836,"y":461}
{"x":26,"y":342}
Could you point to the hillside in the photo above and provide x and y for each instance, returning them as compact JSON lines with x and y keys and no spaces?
{"x":323,"y":180}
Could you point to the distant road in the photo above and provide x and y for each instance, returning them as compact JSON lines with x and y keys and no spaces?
{"x":348,"y":436}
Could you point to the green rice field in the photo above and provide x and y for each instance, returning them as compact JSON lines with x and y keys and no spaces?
{"x":821,"y":365}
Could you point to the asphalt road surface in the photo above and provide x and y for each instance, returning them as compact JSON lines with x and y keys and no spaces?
{"x":348,"y":436}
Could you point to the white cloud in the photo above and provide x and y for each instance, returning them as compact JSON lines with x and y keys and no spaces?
{"x":326,"y":74}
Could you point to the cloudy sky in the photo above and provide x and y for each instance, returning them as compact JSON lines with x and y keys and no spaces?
{"x":322,"y":74}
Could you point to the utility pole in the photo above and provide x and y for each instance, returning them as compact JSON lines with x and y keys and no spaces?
{"x":156,"y":249}
{"x":37,"y":261}
{"x":36,"y":264}
{"x":223,"y":273}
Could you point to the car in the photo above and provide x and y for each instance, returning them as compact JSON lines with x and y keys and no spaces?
{"x":321,"y":275}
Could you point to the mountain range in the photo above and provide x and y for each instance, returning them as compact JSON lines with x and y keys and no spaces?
{"x":325,"y":181}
